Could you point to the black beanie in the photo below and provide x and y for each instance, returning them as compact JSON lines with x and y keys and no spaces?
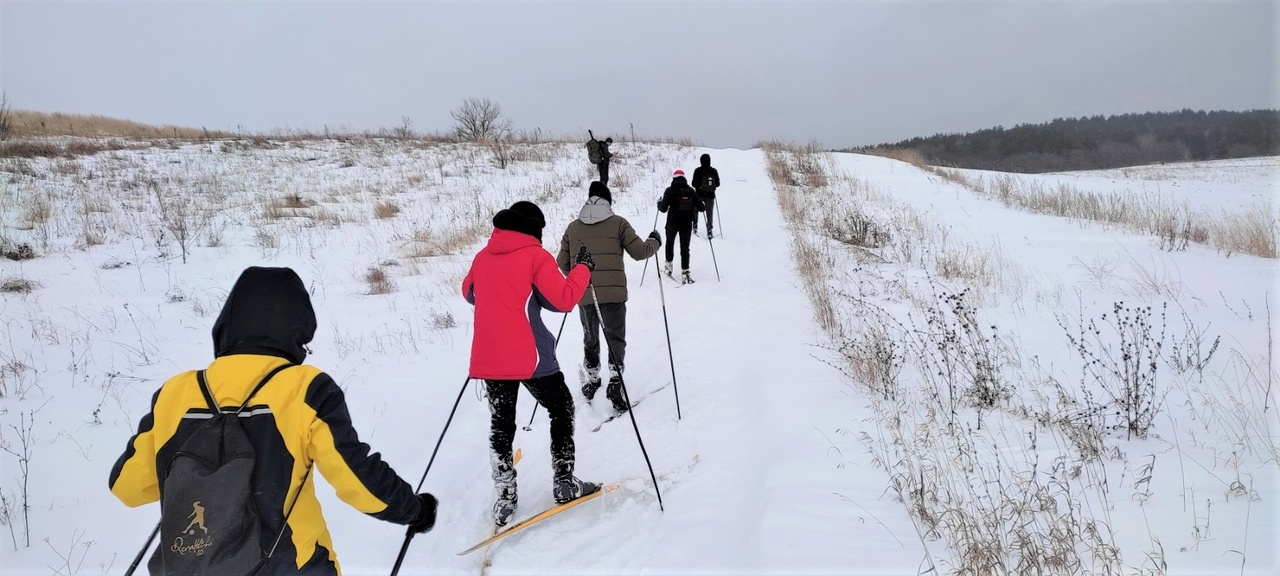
{"x":523,"y":217}
{"x":599,"y":190}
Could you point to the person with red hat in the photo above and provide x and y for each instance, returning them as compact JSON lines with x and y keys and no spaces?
{"x":682,"y":205}
{"x":511,"y":280}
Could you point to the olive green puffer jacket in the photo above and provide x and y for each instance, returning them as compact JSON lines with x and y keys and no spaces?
{"x":606,"y":236}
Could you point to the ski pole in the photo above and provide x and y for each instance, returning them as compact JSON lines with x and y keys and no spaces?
{"x":627,"y":397}
{"x":713,"y":256}
{"x":408,"y":535}
{"x":655,"y":260}
{"x":143,"y":551}
{"x":720,"y":220}
{"x":529,"y":427}
{"x":667,"y":328}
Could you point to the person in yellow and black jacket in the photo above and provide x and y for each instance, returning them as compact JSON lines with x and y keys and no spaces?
{"x":298,"y":418}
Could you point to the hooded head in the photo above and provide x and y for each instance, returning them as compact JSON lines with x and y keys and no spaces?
{"x":706,"y":160}
{"x":267,"y":312}
{"x":524,"y":217}
{"x":608,"y":140}
{"x":599,"y":190}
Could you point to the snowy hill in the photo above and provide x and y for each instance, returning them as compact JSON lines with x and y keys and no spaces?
{"x":818,"y":433}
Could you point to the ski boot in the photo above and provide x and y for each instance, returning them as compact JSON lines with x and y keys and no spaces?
{"x":568,"y":489}
{"x":590,"y":376}
{"x":667,"y":269}
{"x":710,"y":235}
{"x":505,"y":506}
{"x":686,"y":278}
{"x":614,"y":392}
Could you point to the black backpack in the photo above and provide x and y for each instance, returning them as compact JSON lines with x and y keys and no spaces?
{"x":684,"y":202}
{"x":594,"y":154}
{"x":208,"y":521}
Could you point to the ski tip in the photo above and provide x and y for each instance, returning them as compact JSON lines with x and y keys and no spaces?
{"x":516,"y":458}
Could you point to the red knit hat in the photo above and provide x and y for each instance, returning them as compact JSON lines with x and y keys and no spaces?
{"x":678,"y":174}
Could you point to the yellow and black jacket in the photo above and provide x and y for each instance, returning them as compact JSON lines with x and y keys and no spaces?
{"x":298,"y":418}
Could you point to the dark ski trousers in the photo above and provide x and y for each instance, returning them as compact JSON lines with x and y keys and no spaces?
{"x":615,"y":334}
{"x":604,"y":171}
{"x":684,"y":230}
{"x":551,"y":392}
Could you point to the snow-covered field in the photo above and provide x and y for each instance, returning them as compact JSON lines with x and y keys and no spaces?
{"x":800,"y":447}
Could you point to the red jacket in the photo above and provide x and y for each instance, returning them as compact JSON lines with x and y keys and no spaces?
{"x":510,"y":280}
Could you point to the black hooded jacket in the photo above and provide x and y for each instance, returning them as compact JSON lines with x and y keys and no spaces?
{"x":681,"y":203}
{"x":705,"y":178}
{"x":296,"y":420}
{"x":268,"y":312}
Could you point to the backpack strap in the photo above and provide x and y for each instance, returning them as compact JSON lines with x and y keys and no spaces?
{"x":208,"y":392}
{"x":264,"y":381}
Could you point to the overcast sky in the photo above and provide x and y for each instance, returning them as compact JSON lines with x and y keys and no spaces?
{"x":725,"y":74}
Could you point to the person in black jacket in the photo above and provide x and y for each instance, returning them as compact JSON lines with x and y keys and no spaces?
{"x":605,"y":156}
{"x":705,"y":180}
{"x":682,"y":205}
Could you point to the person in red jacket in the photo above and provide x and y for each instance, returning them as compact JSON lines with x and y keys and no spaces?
{"x":511,"y":280}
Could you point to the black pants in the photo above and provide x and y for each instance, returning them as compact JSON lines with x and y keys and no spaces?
{"x":711,"y":206}
{"x":615,"y":334}
{"x":604,"y":171}
{"x":684,"y":230}
{"x":552,"y":393}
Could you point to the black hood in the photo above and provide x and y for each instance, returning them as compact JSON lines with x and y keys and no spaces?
{"x":267,"y":312}
{"x":706,"y":160}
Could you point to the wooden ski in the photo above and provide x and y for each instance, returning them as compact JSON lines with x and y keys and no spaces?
{"x":538,"y":518}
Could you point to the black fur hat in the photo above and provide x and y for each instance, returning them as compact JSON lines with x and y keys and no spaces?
{"x":599,"y":190}
{"x":524,"y":217}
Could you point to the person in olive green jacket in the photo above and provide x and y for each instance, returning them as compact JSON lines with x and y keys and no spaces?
{"x":606,"y":235}
{"x":297,"y":420}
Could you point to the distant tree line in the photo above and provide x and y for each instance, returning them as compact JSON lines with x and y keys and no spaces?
{"x":1099,"y":142}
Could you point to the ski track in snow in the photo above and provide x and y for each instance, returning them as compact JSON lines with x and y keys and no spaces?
{"x":781,"y":483}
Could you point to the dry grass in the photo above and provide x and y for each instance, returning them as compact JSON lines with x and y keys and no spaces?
{"x":908,"y":155}
{"x":385,"y":209}
{"x":32,"y":123}
{"x":379,"y":281}
{"x":1253,"y":230}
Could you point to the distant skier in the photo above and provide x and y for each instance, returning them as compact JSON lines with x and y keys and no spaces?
{"x":606,"y":235}
{"x":681,"y":203}
{"x":705,"y":180}
{"x":511,"y":280}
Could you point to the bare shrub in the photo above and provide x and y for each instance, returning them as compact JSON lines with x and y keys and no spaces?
{"x":16,"y":251}
{"x":1126,"y":370}
{"x":17,"y":285}
{"x":379,"y":281}
{"x":385,"y":209}
{"x":23,"y":453}
{"x":957,"y":358}
{"x":855,"y":229}
{"x":479,"y":119}
{"x":184,"y":220}
{"x":441,"y":320}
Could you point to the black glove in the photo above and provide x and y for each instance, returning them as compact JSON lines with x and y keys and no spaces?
{"x":584,"y":258}
{"x":656,"y":236}
{"x":426,"y":519}
{"x":662,"y":206}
